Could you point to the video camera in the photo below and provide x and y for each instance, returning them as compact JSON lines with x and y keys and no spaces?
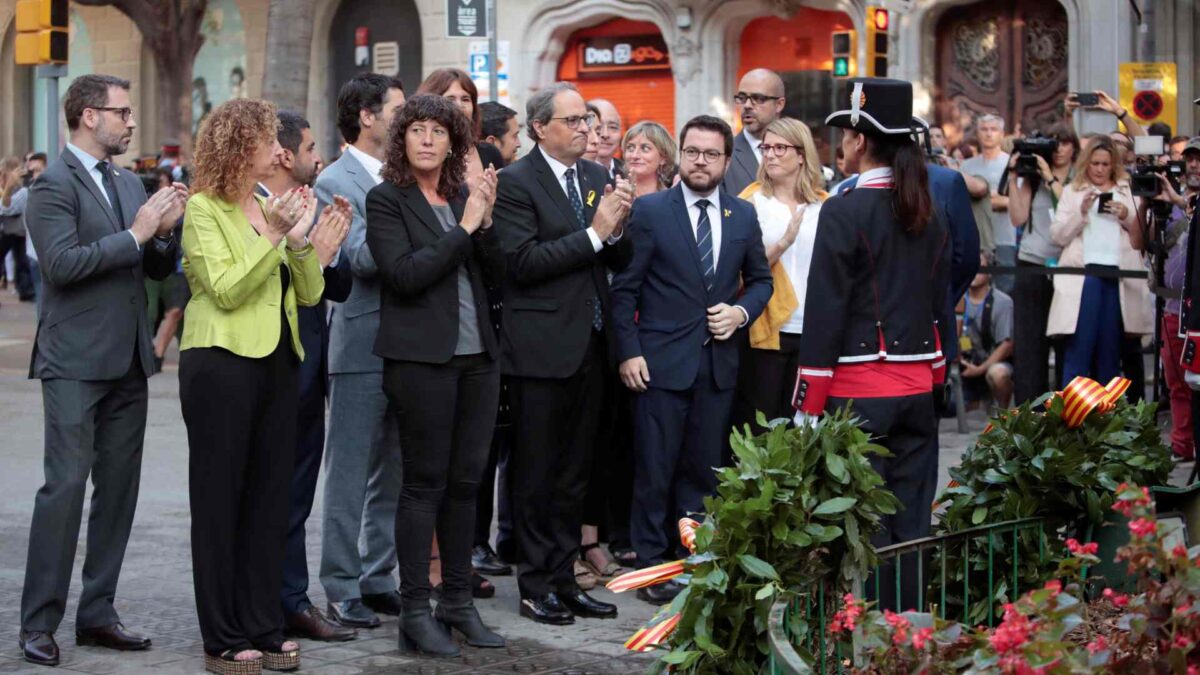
{"x":1143,"y":179}
{"x":1029,"y":149}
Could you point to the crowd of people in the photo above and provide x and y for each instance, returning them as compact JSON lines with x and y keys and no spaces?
{"x":566,"y":335}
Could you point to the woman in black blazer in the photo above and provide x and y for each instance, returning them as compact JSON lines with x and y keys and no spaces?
{"x":437,"y":255}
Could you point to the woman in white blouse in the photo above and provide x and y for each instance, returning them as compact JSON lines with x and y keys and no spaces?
{"x":1091,"y":311}
{"x":787,"y":197}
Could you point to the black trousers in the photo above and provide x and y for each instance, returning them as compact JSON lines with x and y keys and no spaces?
{"x":96,"y":429}
{"x":767,"y":380}
{"x":554,"y":431}
{"x":906,"y":426}
{"x":495,"y":486}
{"x":610,"y":487}
{"x":1031,"y":345}
{"x":241,"y":423}
{"x":16,"y":244}
{"x":445,"y":414}
{"x":679,"y":440}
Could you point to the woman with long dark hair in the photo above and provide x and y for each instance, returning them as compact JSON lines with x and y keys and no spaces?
{"x":876,"y":290}
{"x":437,"y":256}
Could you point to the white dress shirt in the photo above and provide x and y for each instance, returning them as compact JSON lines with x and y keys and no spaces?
{"x":714,"y":217}
{"x":90,"y":164}
{"x":754,"y":143}
{"x":773,"y":217}
{"x":372,"y":165}
{"x":560,"y":171}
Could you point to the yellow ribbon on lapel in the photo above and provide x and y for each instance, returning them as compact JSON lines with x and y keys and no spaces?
{"x":664,"y":622}
{"x":728,"y":213}
{"x":591,"y":197}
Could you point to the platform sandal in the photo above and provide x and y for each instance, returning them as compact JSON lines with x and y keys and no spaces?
{"x":278,"y":659}
{"x":226,"y":663}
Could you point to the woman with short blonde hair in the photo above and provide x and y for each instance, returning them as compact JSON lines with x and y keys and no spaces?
{"x":787,"y":197}
{"x":650,"y":156}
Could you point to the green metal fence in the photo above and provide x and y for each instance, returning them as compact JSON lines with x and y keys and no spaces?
{"x":933,"y":574}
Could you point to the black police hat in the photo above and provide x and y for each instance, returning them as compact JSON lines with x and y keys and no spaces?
{"x":877,"y":105}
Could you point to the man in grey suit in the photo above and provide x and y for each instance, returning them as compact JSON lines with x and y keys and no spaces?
{"x":759,"y":100}
{"x":96,"y":237}
{"x":362,"y":450}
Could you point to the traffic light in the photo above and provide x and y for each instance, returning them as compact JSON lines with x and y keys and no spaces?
{"x":843,"y":54}
{"x":878,"y":22}
{"x":42,"y":31}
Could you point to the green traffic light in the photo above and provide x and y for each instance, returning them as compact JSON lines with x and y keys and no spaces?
{"x":841,"y":67}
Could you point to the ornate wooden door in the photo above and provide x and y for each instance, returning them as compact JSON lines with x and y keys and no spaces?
{"x":1007,"y":57}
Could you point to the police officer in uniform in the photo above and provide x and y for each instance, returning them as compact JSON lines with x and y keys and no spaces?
{"x":877,"y":287}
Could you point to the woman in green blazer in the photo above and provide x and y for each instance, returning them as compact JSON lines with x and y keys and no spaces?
{"x":249,"y":264}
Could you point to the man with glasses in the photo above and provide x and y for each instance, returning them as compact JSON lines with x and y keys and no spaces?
{"x":610,"y":129}
{"x":560,"y":220}
{"x":699,"y":275}
{"x":98,"y":237}
{"x":760,"y":101}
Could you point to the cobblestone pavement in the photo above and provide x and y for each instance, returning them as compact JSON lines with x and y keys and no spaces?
{"x":155,"y":595}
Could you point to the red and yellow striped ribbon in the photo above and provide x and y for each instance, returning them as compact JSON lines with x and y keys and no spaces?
{"x":654,"y":632}
{"x":687,"y":533}
{"x":649,"y":576}
{"x":664,"y":622}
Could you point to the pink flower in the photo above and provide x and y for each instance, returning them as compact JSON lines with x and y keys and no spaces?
{"x":921,"y":637}
{"x":1097,"y":645}
{"x":1117,"y":599}
{"x":1181,"y":642}
{"x":1055,"y":587}
{"x":1143,"y":527}
{"x":846,"y":619}
{"x":1077,"y":548}
{"x":899,"y":624}
{"x":1012,"y":632}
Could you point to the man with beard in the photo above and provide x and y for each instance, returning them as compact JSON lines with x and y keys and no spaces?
{"x":560,"y":221}
{"x":98,"y":237}
{"x":760,"y":101}
{"x":675,"y":308}
{"x":297,"y":167}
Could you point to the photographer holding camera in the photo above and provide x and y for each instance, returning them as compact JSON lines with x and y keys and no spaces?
{"x":1174,"y":241}
{"x":1031,"y":205}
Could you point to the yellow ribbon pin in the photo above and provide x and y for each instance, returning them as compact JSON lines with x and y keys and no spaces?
{"x":591,"y":197}
{"x":728,"y":213}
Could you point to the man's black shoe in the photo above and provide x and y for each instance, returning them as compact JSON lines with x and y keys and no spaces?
{"x":485,"y":561}
{"x":660,"y":594}
{"x":547,"y":609}
{"x":353,"y":613}
{"x":112,"y":636}
{"x":383,"y":603}
{"x":39,"y":648}
{"x":582,"y":604}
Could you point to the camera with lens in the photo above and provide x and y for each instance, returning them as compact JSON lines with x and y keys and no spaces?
{"x":1143,"y":180}
{"x":1029,"y":149}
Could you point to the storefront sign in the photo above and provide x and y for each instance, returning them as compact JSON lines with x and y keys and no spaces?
{"x":623,"y":54}
{"x":1149,"y":92}
{"x":466,"y":18}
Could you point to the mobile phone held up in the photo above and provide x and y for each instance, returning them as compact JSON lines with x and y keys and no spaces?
{"x":1102,"y":202}
{"x":1086,"y":100}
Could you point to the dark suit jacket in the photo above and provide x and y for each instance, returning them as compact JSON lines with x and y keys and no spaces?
{"x":664,"y":288}
{"x":554,"y":273}
{"x":418,"y":263}
{"x":950,"y":196}
{"x":743,"y":167}
{"x":93,"y":313}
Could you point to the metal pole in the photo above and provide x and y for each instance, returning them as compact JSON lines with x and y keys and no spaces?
{"x":493,"y":64}
{"x":51,"y":73}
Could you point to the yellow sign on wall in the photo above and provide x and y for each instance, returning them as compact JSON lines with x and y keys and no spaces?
{"x":1149,"y":92}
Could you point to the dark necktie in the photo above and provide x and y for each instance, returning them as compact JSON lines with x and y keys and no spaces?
{"x":577,"y":206}
{"x":110,"y":187}
{"x":705,"y":244}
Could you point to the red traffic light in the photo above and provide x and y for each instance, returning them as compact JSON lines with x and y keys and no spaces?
{"x":881,"y":19}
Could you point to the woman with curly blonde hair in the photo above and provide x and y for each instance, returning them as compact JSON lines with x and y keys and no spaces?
{"x":249,"y":264}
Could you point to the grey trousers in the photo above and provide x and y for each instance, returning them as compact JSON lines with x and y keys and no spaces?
{"x":91,"y":428}
{"x":362,"y":487}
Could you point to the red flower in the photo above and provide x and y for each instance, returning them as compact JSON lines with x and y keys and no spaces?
{"x":921,"y":637}
{"x":1013,"y":632}
{"x":1097,"y":645}
{"x":899,"y":624}
{"x":1180,"y":551}
{"x":1143,"y":527}
{"x":1117,"y":599}
{"x":1077,"y":548}
{"x":1055,"y":587}
{"x":1181,"y":642}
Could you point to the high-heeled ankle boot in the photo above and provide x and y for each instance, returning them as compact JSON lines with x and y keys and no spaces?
{"x":465,"y":619}
{"x":420,"y":632}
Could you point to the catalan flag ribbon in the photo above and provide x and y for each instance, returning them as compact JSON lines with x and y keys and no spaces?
{"x":658,"y":628}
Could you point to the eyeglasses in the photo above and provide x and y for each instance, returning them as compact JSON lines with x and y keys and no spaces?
{"x":125,"y":113}
{"x":573,"y":121}
{"x":778,"y":150}
{"x":692,"y":154}
{"x":758,"y":99}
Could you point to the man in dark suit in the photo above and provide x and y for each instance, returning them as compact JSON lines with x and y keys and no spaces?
{"x":298,"y":167}
{"x":611,"y":136}
{"x":560,"y":225}
{"x":675,"y":308}
{"x":759,"y":100}
{"x":97,"y":237}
